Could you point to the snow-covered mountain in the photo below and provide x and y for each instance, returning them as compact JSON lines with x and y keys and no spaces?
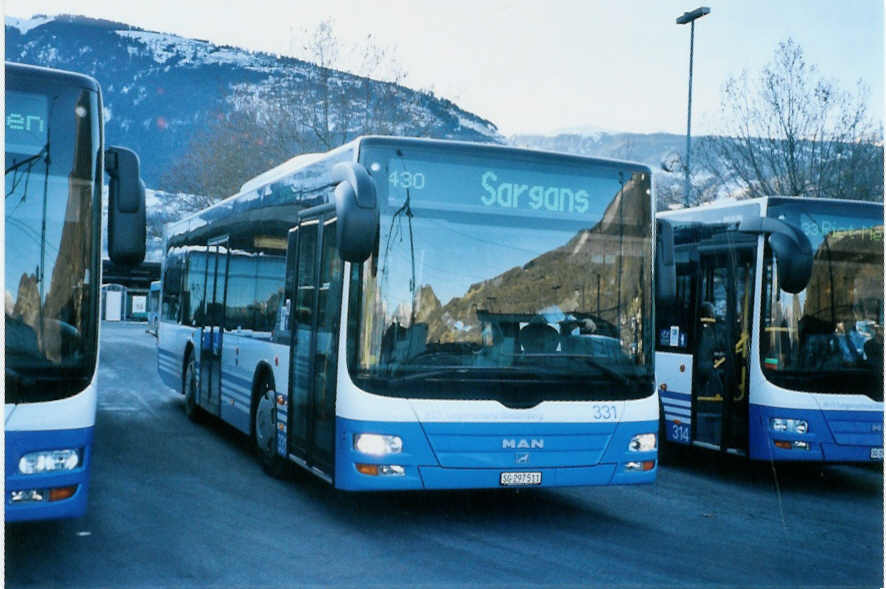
{"x":656,"y":150}
{"x":160,"y":89}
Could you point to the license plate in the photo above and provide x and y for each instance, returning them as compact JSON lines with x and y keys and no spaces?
{"x":876,"y":453}
{"x":508,"y":479}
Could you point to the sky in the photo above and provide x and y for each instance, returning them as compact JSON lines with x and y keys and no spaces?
{"x":543,"y":67}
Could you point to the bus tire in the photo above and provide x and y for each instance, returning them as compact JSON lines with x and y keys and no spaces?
{"x":264,"y":428}
{"x":189,"y":389}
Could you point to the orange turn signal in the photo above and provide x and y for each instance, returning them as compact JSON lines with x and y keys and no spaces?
{"x":59,"y":493}
{"x":368,"y":469}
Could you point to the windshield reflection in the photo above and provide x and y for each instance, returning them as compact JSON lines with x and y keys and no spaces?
{"x":829,"y":337}
{"x":496,"y":300}
{"x":51,"y":247}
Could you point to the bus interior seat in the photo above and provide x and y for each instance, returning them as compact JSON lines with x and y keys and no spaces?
{"x":539,"y":337}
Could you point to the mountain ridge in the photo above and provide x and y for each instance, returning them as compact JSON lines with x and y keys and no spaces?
{"x":160,"y":89}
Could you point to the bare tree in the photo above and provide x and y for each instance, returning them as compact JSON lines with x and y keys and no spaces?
{"x":369,"y":99}
{"x":792,"y":132}
{"x":230,"y":150}
{"x":315,"y":110}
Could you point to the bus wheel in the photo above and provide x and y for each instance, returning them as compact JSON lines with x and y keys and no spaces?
{"x":189,"y":388}
{"x":265,"y":426}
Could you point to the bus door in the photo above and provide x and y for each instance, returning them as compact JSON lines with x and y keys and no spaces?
{"x":213,"y":326}
{"x":722,"y":345}
{"x":314,"y":279}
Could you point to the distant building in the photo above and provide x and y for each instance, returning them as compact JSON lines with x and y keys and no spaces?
{"x":125,"y":290}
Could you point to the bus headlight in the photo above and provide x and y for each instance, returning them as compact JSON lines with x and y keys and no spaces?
{"x":794,"y":426}
{"x":377,"y":444}
{"x":642,"y":443}
{"x":49,"y":461}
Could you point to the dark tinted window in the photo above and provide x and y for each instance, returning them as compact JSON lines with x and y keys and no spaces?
{"x":193,"y":310}
{"x":241,"y":292}
{"x":268,"y":291}
{"x":172,"y":279}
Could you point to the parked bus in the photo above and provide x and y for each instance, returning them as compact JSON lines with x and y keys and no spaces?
{"x":55,"y":162}
{"x":153,"y":307}
{"x":773,"y":346}
{"x":414,"y":314}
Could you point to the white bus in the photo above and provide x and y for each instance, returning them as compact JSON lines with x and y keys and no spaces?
{"x":55,"y":163}
{"x":416,"y":314}
{"x":773,"y":348}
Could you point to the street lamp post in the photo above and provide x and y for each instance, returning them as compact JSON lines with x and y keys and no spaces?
{"x":690,"y":17}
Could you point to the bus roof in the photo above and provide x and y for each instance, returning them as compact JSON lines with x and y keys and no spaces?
{"x":21,"y":70}
{"x":494,"y":148}
{"x":764,"y":202}
{"x":277,"y":195}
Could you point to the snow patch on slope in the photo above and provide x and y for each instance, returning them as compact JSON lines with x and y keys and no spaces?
{"x":174,"y":50}
{"x":26,"y":24}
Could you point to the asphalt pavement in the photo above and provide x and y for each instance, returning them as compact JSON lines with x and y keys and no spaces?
{"x":178,"y":504}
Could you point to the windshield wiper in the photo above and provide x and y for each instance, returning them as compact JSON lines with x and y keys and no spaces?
{"x":460,"y":370}
{"x":590,"y":360}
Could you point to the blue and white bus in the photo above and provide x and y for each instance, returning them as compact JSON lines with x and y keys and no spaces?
{"x":773,"y":347}
{"x":415,"y":314}
{"x":55,"y":163}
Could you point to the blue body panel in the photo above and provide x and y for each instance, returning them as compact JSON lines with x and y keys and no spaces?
{"x":19,"y":443}
{"x":833,"y":436}
{"x":677,"y":415}
{"x":473,"y":455}
{"x":169,"y":369}
{"x":236,"y":393}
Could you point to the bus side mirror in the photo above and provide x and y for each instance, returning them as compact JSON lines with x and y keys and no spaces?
{"x":665,"y":267}
{"x":791,"y":247}
{"x":126,"y":207}
{"x":356,"y":207}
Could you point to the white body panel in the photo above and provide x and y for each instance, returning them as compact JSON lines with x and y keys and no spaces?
{"x":71,"y":413}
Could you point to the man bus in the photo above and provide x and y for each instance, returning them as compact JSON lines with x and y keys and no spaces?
{"x":416,"y":314}
{"x":55,"y":164}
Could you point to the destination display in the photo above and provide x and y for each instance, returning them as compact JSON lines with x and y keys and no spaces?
{"x":505,"y":187}
{"x":27,"y":122}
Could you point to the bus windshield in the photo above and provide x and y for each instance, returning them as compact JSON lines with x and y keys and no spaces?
{"x":829,"y":337}
{"x":516,"y":278}
{"x":52,"y":229}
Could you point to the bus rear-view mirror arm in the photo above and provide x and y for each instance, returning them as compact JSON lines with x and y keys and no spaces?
{"x":126,"y":207}
{"x":356,"y":207}
{"x":665,"y":267}
{"x":791,"y":247}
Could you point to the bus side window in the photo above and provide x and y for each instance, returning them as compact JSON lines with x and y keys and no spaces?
{"x":172,"y":286}
{"x":194,"y":312}
{"x":674,"y":321}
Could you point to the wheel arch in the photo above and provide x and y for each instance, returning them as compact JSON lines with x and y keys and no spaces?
{"x":263,"y":373}
{"x":186,"y":358}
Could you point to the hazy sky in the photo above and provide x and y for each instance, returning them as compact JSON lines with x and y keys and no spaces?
{"x":533,"y":66}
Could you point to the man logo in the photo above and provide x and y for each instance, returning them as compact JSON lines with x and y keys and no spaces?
{"x":522,"y":458}
{"x":514,"y":444}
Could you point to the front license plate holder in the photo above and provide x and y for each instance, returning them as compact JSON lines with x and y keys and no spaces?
{"x":519,"y":479}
